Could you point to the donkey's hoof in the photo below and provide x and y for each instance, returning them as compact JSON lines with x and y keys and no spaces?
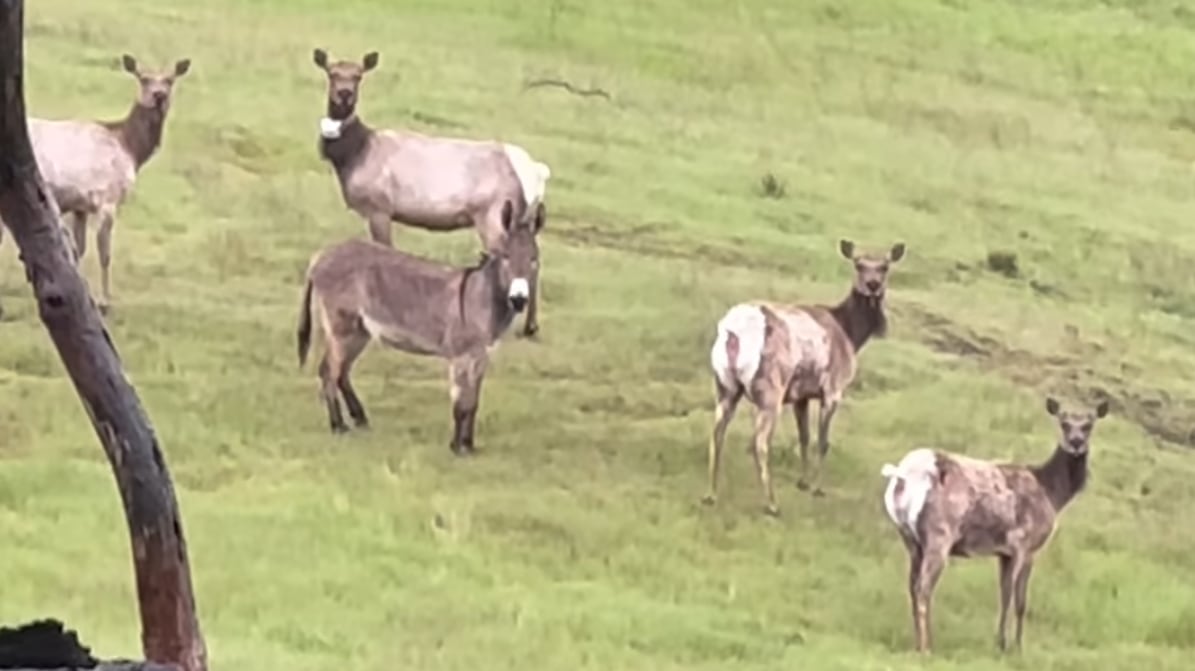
{"x":361,"y":423}
{"x":339,"y":429}
{"x":802,"y":485}
{"x":709,"y":499}
{"x":530,"y":331}
{"x":819,"y":493}
{"x":103,"y":307}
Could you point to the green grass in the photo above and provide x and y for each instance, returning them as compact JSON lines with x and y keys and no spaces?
{"x":1058,"y":131}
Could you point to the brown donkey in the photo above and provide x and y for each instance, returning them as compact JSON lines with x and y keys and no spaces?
{"x":433,"y":183}
{"x":363,"y":290}
{"x":948,"y":505}
{"x":90,"y":166}
{"x":779,"y":355}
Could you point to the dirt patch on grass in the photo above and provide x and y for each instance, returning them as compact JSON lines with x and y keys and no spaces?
{"x":1162,"y":414}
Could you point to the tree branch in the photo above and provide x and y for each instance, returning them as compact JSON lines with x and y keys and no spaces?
{"x":169,"y":627}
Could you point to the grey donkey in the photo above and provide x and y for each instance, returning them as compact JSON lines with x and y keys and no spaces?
{"x":949,"y":505}
{"x":433,"y":183}
{"x":361,"y":290}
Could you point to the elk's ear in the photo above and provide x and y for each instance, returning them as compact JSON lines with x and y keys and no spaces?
{"x":182,"y":67}
{"x":370,"y":61}
{"x":847,"y":248}
{"x":541,"y":216}
{"x":129,"y":63}
{"x":507,"y":216}
{"x":897,"y":253}
{"x":320,"y":57}
{"x":1052,"y":406}
{"x":1101,"y":410}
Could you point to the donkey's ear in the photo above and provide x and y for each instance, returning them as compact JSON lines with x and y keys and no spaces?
{"x":320,"y":57}
{"x":847,"y":248}
{"x":129,"y":63}
{"x":541,"y":217}
{"x":508,"y":215}
{"x":1052,"y":406}
{"x":897,"y":253}
{"x":182,"y":67}
{"x":1101,"y":410}
{"x":370,"y":61}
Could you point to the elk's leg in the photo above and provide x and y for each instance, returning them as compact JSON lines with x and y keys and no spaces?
{"x":801,"y":412}
{"x":352,"y":348}
{"x":765,"y":422}
{"x":826,"y":410}
{"x":531,"y":321}
{"x":1006,"y":588}
{"x":466,"y":373}
{"x":78,"y":233}
{"x":933,"y":561}
{"x":103,"y":243}
{"x":380,"y":229}
{"x":916,"y":556}
{"x":1021,"y":587}
{"x":726,"y":401}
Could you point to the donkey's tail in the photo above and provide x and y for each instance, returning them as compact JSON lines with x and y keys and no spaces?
{"x":304,"y":331}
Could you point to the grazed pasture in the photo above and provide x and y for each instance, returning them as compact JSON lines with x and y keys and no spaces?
{"x":1034,"y":156}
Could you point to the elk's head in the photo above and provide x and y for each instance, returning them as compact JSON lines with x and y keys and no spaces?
{"x":156,"y":87}
{"x":344,"y":82}
{"x":518,"y":258}
{"x":1074,"y":426}
{"x":871,"y":270}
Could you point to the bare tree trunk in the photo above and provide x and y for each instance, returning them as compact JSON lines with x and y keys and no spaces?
{"x":169,"y":628}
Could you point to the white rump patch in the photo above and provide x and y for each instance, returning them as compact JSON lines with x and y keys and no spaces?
{"x":533,"y":175}
{"x":909,"y":485}
{"x":329,"y":128}
{"x":519,"y":288}
{"x":748,"y":324}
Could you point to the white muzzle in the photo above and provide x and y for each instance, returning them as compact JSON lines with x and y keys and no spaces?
{"x":519,"y":290}
{"x":329,"y":128}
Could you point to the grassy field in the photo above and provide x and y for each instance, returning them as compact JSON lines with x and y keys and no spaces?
{"x":1057,"y":130}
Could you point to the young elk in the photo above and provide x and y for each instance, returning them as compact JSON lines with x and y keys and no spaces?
{"x":433,"y":183}
{"x":364,"y":290}
{"x":948,"y":505}
{"x":90,"y":166}
{"x":778,"y":355}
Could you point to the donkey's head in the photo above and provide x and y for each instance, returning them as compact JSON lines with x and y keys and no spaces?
{"x":518,"y":258}
{"x":344,"y":82}
{"x":156,"y":87}
{"x":871,"y":270}
{"x":1074,"y":426}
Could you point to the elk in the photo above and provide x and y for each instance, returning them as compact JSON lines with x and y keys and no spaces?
{"x":778,"y":355}
{"x":90,"y":167}
{"x":363,"y":290}
{"x":433,"y":183}
{"x":949,"y":505}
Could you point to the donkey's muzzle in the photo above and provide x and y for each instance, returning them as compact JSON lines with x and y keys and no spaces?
{"x":519,"y":294}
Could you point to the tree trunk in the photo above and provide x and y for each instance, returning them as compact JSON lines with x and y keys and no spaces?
{"x":169,"y":628}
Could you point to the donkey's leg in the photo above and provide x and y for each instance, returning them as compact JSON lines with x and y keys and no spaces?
{"x":353,"y":345}
{"x":466,"y":373}
{"x":801,"y":412}
{"x":531,"y":321}
{"x":103,"y":242}
{"x":380,"y":228}
{"x":331,"y":368}
{"x":726,"y":400}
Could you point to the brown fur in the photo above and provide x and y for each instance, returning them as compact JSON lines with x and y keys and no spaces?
{"x":362,"y":290}
{"x":809,"y":352}
{"x":978,"y":508}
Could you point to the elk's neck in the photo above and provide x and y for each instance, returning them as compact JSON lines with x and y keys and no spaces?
{"x":861,"y":318}
{"x":1062,"y":476}
{"x":346,"y":150}
{"x":140,"y":132}
{"x":484,"y":306}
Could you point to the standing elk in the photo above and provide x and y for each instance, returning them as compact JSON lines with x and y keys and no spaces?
{"x":90,"y":167}
{"x":778,"y":355}
{"x":948,"y":505}
{"x":363,"y":290}
{"x":433,"y":183}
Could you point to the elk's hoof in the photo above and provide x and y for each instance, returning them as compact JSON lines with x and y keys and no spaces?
{"x":530,"y":330}
{"x":818,"y":493}
{"x":103,"y":307}
{"x":709,"y":499}
{"x":802,"y":485}
{"x":772,"y":510}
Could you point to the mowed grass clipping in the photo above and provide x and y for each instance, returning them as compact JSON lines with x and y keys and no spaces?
{"x":1034,"y":156}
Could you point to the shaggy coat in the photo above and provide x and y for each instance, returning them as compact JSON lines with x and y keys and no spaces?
{"x":90,"y":167}
{"x":433,"y":183}
{"x":777,"y":355}
{"x":945,"y":505}
{"x":361,"y":290}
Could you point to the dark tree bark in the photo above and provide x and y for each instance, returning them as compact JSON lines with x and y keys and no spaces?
{"x":169,"y":628}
